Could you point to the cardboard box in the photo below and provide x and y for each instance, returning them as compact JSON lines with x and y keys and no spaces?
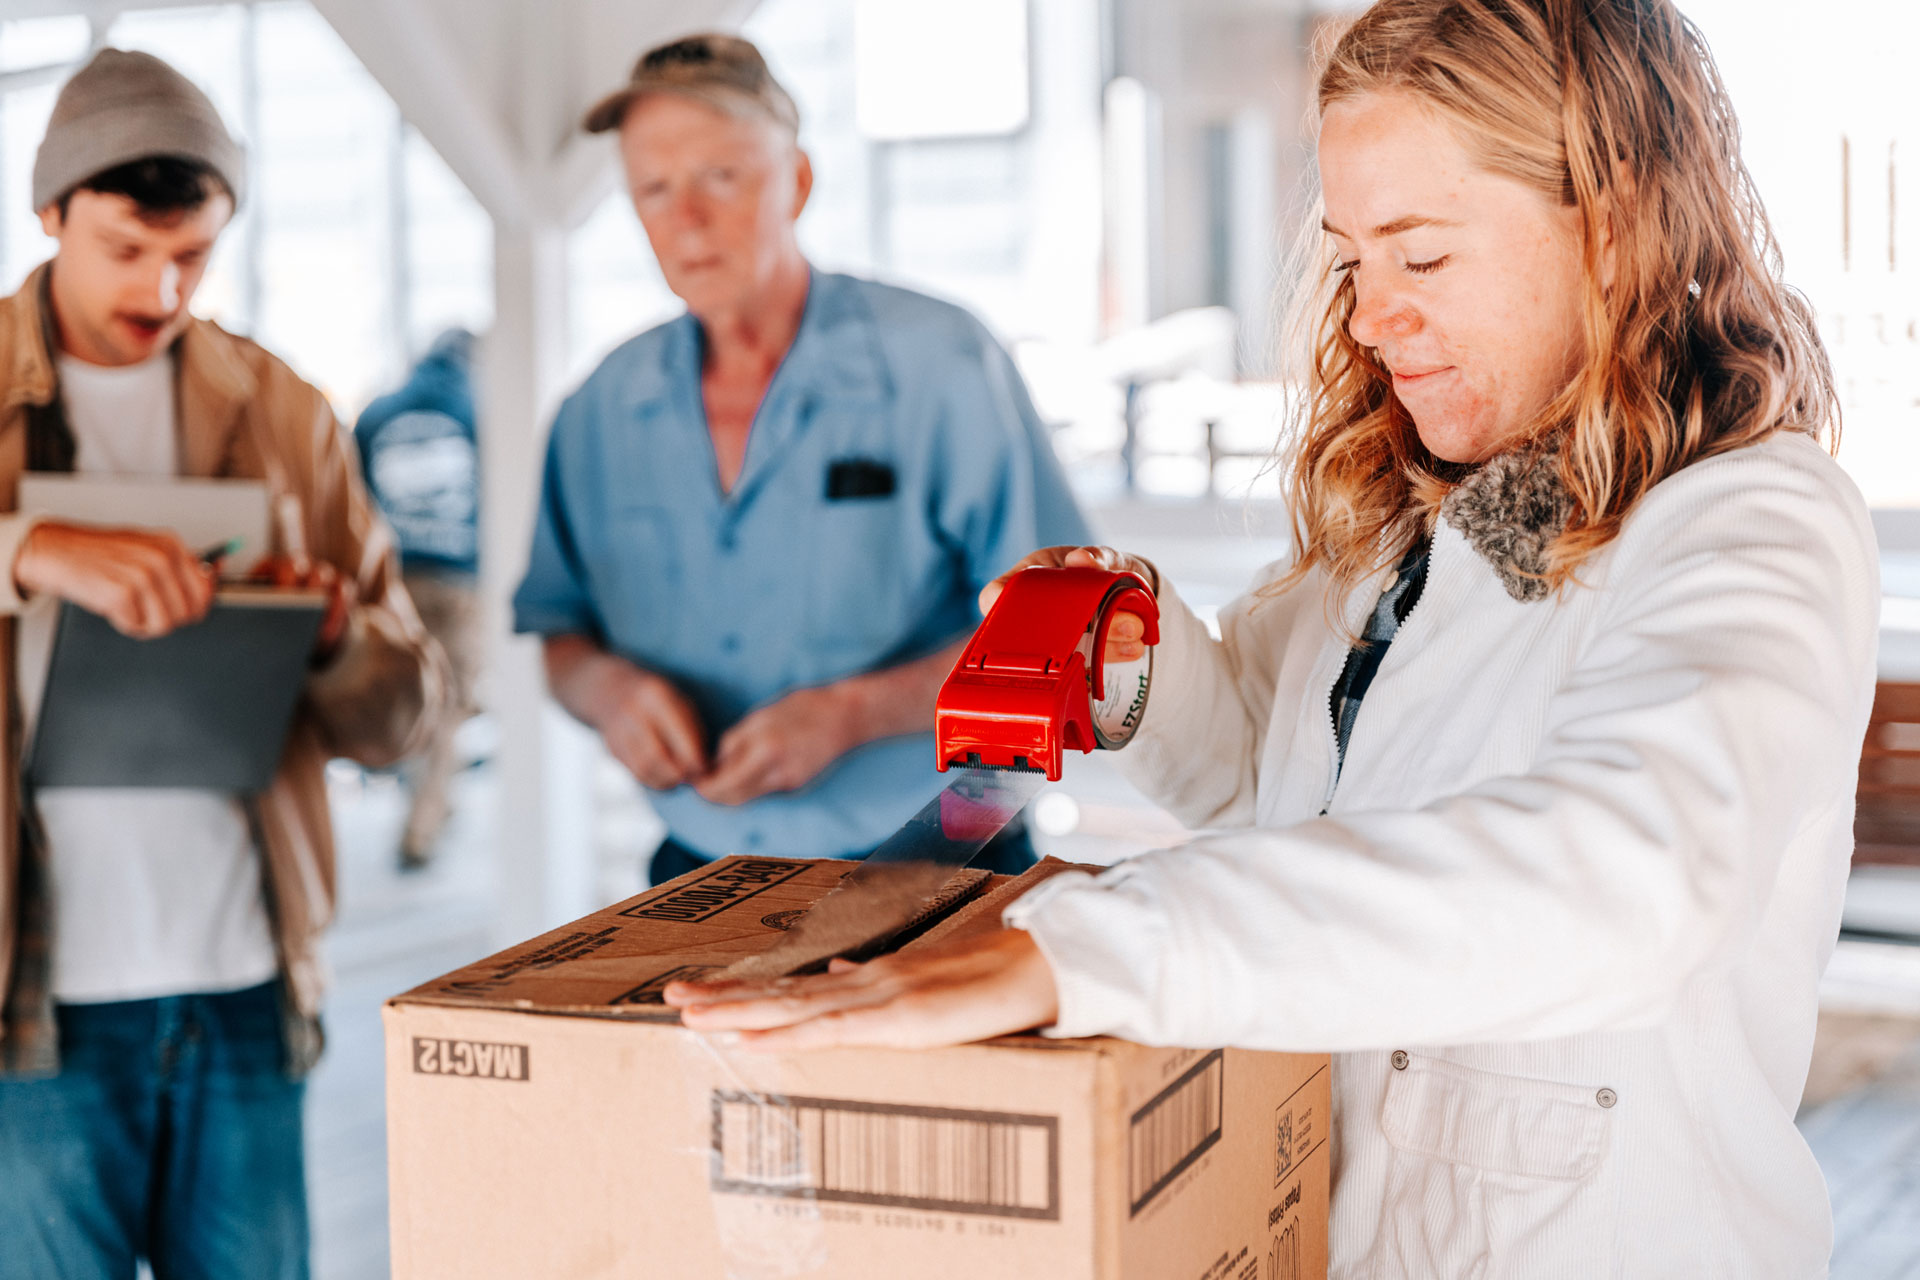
{"x":547,"y":1117}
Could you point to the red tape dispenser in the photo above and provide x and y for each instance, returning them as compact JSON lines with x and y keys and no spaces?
{"x":1034,"y":682}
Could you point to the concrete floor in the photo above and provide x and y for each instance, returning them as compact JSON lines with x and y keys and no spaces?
{"x":1867,"y":1139}
{"x":394,"y":932}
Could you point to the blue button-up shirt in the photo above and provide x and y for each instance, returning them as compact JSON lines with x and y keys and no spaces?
{"x":894,"y":467}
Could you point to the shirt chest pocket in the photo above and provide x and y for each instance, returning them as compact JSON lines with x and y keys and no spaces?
{"x":1485,"y":1169}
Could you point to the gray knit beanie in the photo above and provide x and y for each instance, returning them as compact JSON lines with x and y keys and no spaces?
{"x":128,"y":106}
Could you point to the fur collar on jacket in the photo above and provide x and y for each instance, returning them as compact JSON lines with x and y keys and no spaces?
{"x":1510,"y":510}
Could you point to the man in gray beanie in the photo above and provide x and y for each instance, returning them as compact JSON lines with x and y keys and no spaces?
{"x":159,"y":972}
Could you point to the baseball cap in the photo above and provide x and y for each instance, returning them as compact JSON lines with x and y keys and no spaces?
{"x":723,"y":71}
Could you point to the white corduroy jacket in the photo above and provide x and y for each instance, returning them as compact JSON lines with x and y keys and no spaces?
{"x":1564,"y":915}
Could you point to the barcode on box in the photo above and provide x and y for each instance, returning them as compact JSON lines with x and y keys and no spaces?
{"x":1179,"y":1126}
{"x":980,"y":1162}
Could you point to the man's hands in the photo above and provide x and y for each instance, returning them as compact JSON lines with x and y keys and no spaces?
{"x":647,"y":724}
{"x":651,"y":728}
{"x":306,"y":574}
{"x":147,"y":583}
{"x":973,"y":988}
{"x":1126,"y":637}
{"x":788,"y":743}
{"x":144,"y":581}
{"x":781,"y":747}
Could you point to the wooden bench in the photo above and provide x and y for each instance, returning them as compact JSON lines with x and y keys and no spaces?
{"x":1886,"y":824}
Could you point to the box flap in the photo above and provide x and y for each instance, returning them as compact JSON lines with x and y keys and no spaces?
{"x":616,"y":961}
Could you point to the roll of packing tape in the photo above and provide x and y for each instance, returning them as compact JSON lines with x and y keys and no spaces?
{"x":1120,"y":702}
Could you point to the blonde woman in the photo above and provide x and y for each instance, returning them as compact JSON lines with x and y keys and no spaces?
{"x":1533,"y":770}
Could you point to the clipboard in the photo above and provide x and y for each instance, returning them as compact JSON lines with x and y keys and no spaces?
{"x":208,"y":706}
{"x":202,"y":511}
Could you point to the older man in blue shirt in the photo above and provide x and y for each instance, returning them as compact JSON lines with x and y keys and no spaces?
{"x":763,"y":525}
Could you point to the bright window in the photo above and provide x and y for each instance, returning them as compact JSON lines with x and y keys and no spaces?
{"x":354,"y":245}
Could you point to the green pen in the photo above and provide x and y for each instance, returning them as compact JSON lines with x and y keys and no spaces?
{"x":221,"y":550}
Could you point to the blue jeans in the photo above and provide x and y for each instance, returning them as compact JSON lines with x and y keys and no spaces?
{"x":172,"y":1133}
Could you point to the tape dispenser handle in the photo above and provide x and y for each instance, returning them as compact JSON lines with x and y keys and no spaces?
{"x":1128,"y":594}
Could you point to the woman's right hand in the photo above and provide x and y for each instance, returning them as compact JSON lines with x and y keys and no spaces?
{"x":1126,"y":636}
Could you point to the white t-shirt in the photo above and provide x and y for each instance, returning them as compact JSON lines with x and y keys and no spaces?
{"x":155,"y":891}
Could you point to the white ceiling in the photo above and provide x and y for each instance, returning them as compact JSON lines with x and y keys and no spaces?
{"x":497,"y":86}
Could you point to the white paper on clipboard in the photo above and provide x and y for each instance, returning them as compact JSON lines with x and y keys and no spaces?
{"x":203,"y":512}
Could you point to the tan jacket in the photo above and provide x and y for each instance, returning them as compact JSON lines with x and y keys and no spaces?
{"x":243,"y":413}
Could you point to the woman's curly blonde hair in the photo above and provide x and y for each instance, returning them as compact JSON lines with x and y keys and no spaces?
{"x":1613,"y":107}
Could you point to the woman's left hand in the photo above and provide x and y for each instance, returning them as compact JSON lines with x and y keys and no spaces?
{"x":974,"y":988}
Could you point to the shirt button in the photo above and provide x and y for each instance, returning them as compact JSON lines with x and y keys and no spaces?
{"x":1400,"y":1059}
{"x":1606,"y":1097}
{"x":730,"y":643}
{"x":726,"y":541}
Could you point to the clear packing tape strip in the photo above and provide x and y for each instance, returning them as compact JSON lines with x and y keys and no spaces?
{"x":777,"y":1234}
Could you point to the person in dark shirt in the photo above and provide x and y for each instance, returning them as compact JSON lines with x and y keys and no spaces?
{"x":420,"y":453}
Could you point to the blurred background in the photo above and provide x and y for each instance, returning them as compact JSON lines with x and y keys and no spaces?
{"x":1111,"y":185}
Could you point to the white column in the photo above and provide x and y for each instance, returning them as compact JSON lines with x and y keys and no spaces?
{"x":1062,"y":275}
{"x":1130,"y":181}
{"x":542,"y":829}
{"x":1255,"y":242}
